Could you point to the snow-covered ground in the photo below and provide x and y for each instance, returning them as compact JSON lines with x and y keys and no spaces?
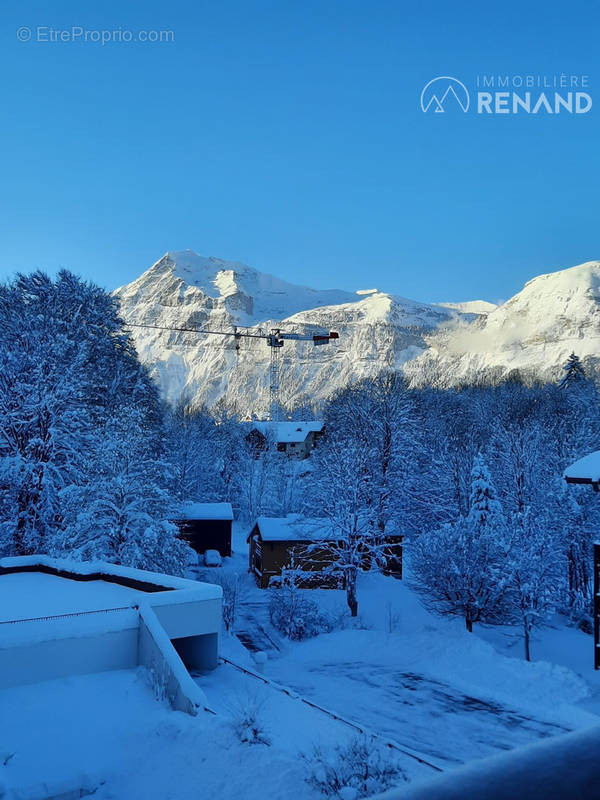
{"x":424,"y":680}
{"x":428,"y":683}
{"x":107,"y":732}
{"x":398,"y":671}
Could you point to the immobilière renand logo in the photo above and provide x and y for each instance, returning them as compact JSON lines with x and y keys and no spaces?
{"x":509,"y":94}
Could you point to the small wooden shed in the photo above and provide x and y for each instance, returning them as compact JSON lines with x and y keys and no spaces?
{"x":279,"y":542}
{"x":276,"y":543}
{"x":206,"y":526}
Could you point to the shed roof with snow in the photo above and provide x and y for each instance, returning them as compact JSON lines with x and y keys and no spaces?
{"x":586,"y":470}
{"x":293,"y":528}
{"x":206,"y":511}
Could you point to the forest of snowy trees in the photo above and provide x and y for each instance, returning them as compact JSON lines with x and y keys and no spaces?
{"x":93,"y":465}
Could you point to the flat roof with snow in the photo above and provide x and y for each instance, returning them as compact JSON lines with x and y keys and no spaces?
{"x":60,"y":617}
{"x":26,"y":595}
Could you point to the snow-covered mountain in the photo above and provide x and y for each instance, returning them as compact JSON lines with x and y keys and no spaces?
{"x":182,"y":289}
{"x":533,"y":333}
{"x":479,"y":307}
{"x":443,"y":344}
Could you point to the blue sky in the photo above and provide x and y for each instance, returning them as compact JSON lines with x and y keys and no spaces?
{"x":288,"y":135}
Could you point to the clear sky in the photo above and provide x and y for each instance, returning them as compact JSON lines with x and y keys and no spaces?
{"x":289,"y":135}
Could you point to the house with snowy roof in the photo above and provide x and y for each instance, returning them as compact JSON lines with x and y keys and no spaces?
{"x":296,"y":542}
{"x":295,"y":439}
{"x":279,"y":543}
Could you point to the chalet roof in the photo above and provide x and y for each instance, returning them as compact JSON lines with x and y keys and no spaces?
{"x":285,"y":432}
{"x":586,"y":470}
{"x":293,"y":528}
{"x":206,"y":511}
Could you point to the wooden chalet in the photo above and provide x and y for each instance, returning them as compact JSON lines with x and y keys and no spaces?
{"x":206,"y":526}
{"x":277,"y":543}
{"x":295,"y":439}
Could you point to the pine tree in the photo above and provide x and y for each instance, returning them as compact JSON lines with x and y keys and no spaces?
{"x":485,"y":506}
{"x":574,"y":372}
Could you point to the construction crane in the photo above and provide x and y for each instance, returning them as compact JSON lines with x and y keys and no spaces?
{"x":275,"y":340}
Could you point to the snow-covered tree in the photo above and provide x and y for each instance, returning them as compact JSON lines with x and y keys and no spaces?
{"x":574,"y":372}
{"x":121,"y":515}
{"x":196,"y":451}
{"x":339,"y":492}
{"x":536,"y":572}
{"x":461,"y":568}
{"x":81,"y":440}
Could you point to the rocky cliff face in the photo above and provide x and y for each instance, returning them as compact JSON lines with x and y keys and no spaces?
{"x":533,"y":333}
{"x":377,"y":331}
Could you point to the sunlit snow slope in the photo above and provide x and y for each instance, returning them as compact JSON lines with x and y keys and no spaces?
{"x":533,"y":333}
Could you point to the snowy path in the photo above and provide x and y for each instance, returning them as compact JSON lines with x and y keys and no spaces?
{"x":419,"y":679}
{"x":253,"y":629}
{"x":293,"y":724}
{"x":435,"y":717}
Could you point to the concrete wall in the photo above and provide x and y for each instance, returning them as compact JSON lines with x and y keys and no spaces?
{"x":169,"y":676}
{"x":189,"y":619}
{"x":73,"y":652}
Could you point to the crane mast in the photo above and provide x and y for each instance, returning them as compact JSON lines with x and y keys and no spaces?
{"x":275,"y":340}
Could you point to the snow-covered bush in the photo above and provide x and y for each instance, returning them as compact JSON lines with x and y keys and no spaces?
{"x":229,"y":583}
{"x":295,"y":615}
{"x":248,"y":720}
{"x":358,"y":769}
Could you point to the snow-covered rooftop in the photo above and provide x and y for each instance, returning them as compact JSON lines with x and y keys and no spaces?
{"x":24,"y":595}
{"x":89,"y":617}
{"x":294,"y":528}
{"x":288,"y":431}
{"x":34,"y":586}
{"x":207,"y":511}
{"x":586,"y":470}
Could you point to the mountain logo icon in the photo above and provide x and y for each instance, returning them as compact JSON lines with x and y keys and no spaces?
{"x":444,"y":91}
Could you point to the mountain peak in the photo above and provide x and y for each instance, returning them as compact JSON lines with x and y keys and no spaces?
{"x":575,"y":277}
{"x":447,"y":343}
{"x":378,"y":331}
